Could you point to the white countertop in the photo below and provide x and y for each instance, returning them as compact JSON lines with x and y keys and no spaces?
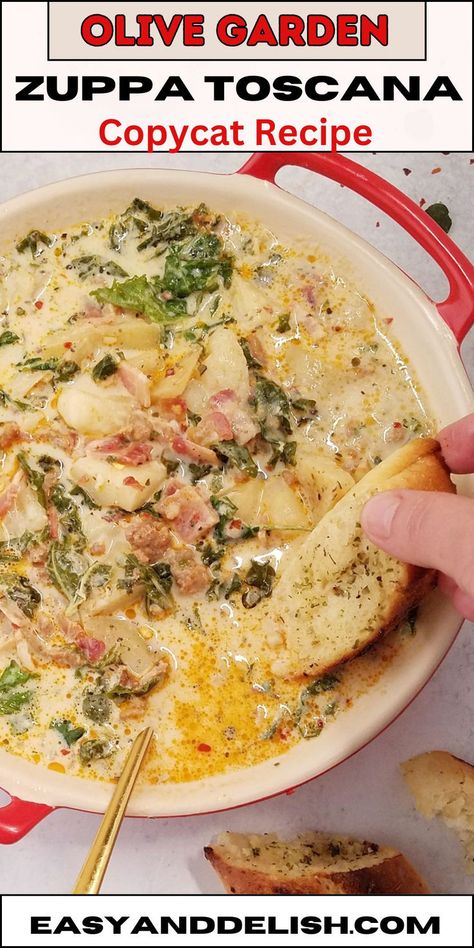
{"x":365,"y":795}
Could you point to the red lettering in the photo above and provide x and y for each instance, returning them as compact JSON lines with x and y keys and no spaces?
{"x":363,"y":135}
{"x":291,"y":29}
{"x":320,"y":30}
{"x":193,"y":30}
{"x":231,"y":30}
{"x":133,"y":135}
{"x":121,"y":38}
{"x":347,"y":30}
{"x":369,"y":29}
{"x":262,"y":33}
{"x":144,"y":21}
{"x":103,"y":132}
{"x":167,"y":33}
{"x":97,"y":19}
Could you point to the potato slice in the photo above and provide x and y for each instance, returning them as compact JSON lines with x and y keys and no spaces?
{"x":104,"y":482}
{"x":171,"y":386}
{"x":124,"y":637}
{"x":93,"y":410}
{"x":322,"y":481}
{"x":86,"y":337}
{"x":226,"y":366}
{"x":271,"y":504}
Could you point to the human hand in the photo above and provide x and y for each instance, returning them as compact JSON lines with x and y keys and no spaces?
{"x":431,"y":529}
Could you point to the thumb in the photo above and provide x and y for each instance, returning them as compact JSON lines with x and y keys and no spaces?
{"x":426,"y":529}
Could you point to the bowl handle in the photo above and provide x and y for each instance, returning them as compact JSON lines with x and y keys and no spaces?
{"x":18,"y":817}
{"x":457,"y":309}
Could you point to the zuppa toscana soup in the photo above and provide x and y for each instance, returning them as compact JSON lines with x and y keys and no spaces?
{"x":183,"y":397}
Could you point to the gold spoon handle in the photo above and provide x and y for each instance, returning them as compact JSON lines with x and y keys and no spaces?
{"x":92,"y":873}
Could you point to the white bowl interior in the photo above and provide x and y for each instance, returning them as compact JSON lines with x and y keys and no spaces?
{"x":432,"y":351}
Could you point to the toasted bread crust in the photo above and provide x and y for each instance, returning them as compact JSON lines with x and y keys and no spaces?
{"x":418,"y":465}
{"x":393,"y":876}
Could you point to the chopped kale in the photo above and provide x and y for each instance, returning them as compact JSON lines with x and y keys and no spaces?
{"x":105,"y":368}
{"x":143,"y":296}
{"x":21,"y":592}
{"x":91,"y":265}
{"x":7,"y":338}
{"x":155,"y":579}
{"x":259,"y":581}
{"x":95,"y":749}
{"x":96,"y":706}
{"x":236,"y":455}
{"x":249,"y":358}
{"x":35,"y":242}
{"x":70,"y":733}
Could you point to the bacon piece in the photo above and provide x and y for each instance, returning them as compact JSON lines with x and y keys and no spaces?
{"x":112,"y":445}
{"x":132,"y":709}
{"x":60,"y":437}
{"x":243,"y":426}
{"x":211,"y":429}
{"x":10,"y":433}
{"x":92,"y":648}
{"x":149,"y":538}
{"x":132,"y":482}
{"x":190,"y":514}
{"x":53,"y":522}
{"x":133,"y":453}
{"x":136,"y":454}
{"x":195,"y":452}
{"x":136,"y":382}
{"x":189,"y":572}
{"x":7,"y":499}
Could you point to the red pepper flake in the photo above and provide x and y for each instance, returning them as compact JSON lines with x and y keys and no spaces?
{"x":377,"y":223}
{"x":407,"y":171}
{"x":204,"y":748}
{"x":471,"y":161}
{"x":65,"y":752}
{"x":389,"y":320}
{"x":436,"y":170}
{"x":39,"y":304}
{"x":236,"y":524}
{"x":68,"y":345}
{"x":397,"y":424}
{"x":422,"y":202}
{"x":169,"y":372}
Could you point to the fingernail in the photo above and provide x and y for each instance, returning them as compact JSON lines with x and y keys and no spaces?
{"x":377,"y":515}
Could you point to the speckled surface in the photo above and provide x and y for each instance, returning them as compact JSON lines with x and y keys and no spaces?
{"x":365,"y":795}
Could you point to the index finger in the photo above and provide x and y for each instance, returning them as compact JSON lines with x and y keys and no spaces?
{"x":457,"y":445}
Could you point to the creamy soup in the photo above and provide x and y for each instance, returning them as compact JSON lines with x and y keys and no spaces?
{"x":182,"y":398}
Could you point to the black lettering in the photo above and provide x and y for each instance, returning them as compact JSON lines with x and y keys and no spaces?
{"x":243,"y":91}
{"x":40,"y":925}
{"x":442,"y":86}
{"x":310,"y":925}
{"x":117,"y":923}
{"x":32,"y":83}
{"x":92,"y":925}
{"x":169,"y":924}
{"x":66,"y":924}
{"x":72,"y":88}
{"x":287,"y":88}
{"x":219,"y":85}
{"x":144,"y":924}
{"x":311,"y":88}
{"x":414,"y":925}
{"x":392,"y":925}
{"x":174,"y":86}
{"x":201,"y":925}
{"x":133,"y":85}
{"x":365,"y":925}
{"x":411,"y":93}
{"x":96,"y":85}
{"x":360,"y":87}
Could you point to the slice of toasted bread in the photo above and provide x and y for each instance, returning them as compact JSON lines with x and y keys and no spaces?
{"x":311,"y":864}
{"x":339,"y":592}
{"x":443,"y":786}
